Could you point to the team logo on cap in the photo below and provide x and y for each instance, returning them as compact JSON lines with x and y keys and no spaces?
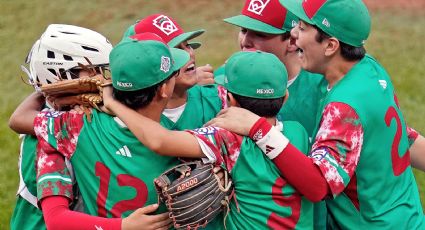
{"x":326,"y":23}
{"x":257,"y":6}
{"x":165,"y":64}
{"x":165,"y":24}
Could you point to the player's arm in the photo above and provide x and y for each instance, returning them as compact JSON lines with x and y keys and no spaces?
{"x":152,"y":134}
{"x":417,"y":153}
{"x":21,"y":121}
{"x":54,"y":190}
{"x":291,"y":162}
{"x":57,"y":215}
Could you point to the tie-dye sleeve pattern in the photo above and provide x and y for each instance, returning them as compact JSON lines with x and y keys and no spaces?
{"x":60,"y":129}
{"x":222,"y":94}
{"x":223,"y":144}
{"x":412,"y":135}
{"x":53,"y":177}
{"x":336,"y":149}
{"x":57,"y":134}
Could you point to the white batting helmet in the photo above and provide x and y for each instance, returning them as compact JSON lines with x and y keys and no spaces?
{"x":61,"y":48}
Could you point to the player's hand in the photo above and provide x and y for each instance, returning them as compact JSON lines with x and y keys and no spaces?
{"x":139,"y":220}
{"x":235,"y":119}
{"x":205,"y":75}
{"x":220,"y":174}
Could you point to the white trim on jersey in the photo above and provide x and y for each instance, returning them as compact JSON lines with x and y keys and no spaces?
{"x":22,"y":189}
{"x":66,"y":179}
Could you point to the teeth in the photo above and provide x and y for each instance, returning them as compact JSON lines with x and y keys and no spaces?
{"x":300,"y":52}
{"x":191,"y":66}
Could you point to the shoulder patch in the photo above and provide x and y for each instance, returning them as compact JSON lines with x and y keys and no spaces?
{"x":206,"y":130}
{"x":53,"y":114}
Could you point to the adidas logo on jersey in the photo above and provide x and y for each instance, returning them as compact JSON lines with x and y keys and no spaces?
{"x":124,"y":151}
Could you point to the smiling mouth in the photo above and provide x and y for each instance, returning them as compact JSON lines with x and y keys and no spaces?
{"x":300,"y":52}
{"x":190,"y":68}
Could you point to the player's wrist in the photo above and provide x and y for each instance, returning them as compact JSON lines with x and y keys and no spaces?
{"x":270,"y":140}
{"x":260,"y":128}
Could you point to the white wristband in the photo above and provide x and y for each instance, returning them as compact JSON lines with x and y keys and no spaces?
{"x":273,"y":143}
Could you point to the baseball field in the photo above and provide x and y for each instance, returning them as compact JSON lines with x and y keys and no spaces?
{"x":396,"y":41}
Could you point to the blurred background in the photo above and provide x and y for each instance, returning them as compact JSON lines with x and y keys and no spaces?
{"x":396,"y":41}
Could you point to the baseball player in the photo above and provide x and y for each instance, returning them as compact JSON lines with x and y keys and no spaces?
{"x":56,"y":51}
{"x":55,"y":192}
{"x":113,"y":169}
{"x":266,"y":26}
{"x":264,"y":199}
{"x":191,"y":105}
{"x":360,"y":156}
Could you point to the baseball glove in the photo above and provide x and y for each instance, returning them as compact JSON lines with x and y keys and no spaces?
{"x":83,"y":91}
{"x":193,"y":194}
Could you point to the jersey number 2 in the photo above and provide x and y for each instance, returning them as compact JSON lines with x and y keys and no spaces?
{"x":104,"y":174}
{"x":399,"y":163}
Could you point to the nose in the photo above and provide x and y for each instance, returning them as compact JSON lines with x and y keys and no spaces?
{"x":191,"y":51}
{"x":294,"y":32}
{"x":245,"y":41}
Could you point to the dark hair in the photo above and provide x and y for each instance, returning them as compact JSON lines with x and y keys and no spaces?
{"x":261,"y":107}
{"x":139,"y":98}
{"x":348,"y":52}
{"x":286,"y":35}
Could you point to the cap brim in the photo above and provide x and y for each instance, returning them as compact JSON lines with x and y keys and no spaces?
{"x":253,"y":24}
{"x":296,"y":7}
{"x":180,"y":58}
{"x":195,"y":45}
{"x":185,"y":37}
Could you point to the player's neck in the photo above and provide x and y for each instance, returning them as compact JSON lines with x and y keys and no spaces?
{"x":177,"y":99}
{"x":337,"y":69}
{"x":293,"y":67}
{"x":152,"y":111}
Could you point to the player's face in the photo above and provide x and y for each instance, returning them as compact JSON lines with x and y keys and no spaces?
{"x":310,"y":51}
{"x":187,"y":77}
{"x":270,"y":43}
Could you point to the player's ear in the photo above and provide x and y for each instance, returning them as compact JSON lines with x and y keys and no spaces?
{"x":332,"y":46}
{"x":231,"y":100}
{"x":167,"y":88}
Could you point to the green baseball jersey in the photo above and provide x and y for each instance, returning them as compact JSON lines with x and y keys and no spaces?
{"x":379,"y":192}
{"x":263,"y":199}
{"x":114,"y":171}
{"x":303,"y":101}
{"x":26,"y":215}
{"x":203,"y":103}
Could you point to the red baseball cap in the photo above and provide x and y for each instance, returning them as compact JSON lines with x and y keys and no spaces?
{"x":165,"y":27}
{"x":267,"y":16}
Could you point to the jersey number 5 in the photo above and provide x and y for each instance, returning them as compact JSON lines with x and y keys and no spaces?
{"x":104,"y":174}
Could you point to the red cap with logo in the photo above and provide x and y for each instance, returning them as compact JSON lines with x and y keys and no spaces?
{"x":165,"y":27}
{"x":267,"y":16}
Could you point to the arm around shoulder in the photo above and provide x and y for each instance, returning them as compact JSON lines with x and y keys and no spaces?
{"x":22,"y":119}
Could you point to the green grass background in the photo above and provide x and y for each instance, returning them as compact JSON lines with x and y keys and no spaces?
{"x":396,"y":41}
